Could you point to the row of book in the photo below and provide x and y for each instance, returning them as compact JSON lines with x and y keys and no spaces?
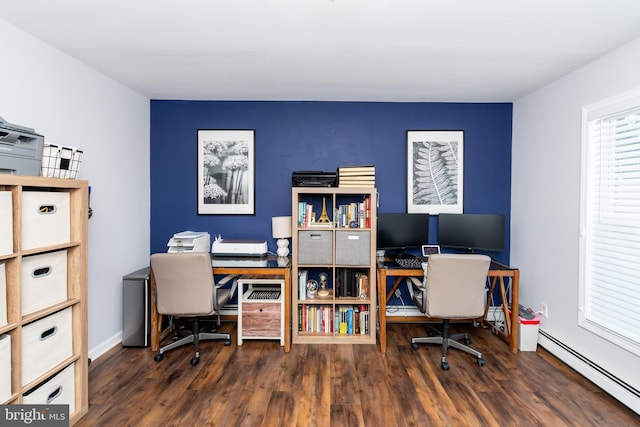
{"x":348,"y":215}
{"x":349,"y":283}
{"x":345,"y":320}
{"x":357,"y":176}
{"x":352,"y":283}
{"x":354,"y":214}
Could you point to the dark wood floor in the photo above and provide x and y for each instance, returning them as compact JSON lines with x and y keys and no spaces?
{"x":345,"y":385}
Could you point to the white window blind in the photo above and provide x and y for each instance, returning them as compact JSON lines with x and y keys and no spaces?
{"x":610,"y":238}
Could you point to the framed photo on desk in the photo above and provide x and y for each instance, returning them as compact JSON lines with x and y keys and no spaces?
{"x":435,"y":171}
{"x":226,"y":172}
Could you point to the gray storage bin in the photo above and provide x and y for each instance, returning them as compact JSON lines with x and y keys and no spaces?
{"x":314,"y":247}
{"x":353,"y":247}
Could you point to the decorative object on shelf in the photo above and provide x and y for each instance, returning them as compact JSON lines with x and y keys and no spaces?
{"x":312,"y":288}
{"x":323,"y":291}
{"x":324,"y":218}
{"x":226,"y":172}
{"x":435,"y":154}
{"x":281,"y":230}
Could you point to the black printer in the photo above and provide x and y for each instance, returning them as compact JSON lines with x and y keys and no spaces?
{"x":313,"y":179}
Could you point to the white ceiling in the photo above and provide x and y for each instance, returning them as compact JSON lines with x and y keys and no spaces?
{"x":343,"y":50}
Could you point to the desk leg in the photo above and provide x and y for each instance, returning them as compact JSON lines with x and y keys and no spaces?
{"x":156,"y":318}
{"x":515,"y":301}
{"x":382,"y":308}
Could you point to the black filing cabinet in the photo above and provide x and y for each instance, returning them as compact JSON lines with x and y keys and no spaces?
{"x":136,"y":306}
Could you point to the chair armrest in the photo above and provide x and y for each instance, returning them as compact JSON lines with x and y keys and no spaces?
{"x":220,"y":284}
{"x":418,"y":292}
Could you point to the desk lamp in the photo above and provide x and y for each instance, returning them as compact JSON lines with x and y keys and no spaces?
{"x":281,"y":230}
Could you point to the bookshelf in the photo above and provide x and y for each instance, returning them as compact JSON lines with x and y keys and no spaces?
{"x":338,"y":253}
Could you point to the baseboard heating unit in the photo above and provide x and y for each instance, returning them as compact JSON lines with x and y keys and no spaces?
{"x":616,"y":387}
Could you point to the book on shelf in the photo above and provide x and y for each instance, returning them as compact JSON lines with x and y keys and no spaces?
{"x":361,"y":184}
{"x":302,"y":284}
{"x":357,"y":169}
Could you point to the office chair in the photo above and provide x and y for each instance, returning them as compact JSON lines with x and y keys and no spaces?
{"x":454,"y":287}
{"x":185,"y":288}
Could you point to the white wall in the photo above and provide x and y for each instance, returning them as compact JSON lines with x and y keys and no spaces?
{"x":73,"y":105}
{"x":546,"y":203}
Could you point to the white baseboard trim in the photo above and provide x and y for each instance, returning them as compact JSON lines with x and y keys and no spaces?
{"x":105,"y":346}
{"x":616,"y":387}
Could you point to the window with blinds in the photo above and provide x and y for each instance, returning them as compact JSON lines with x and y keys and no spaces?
{"x":610,"y":221}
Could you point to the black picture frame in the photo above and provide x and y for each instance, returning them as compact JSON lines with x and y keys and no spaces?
{"x":226,"y":172}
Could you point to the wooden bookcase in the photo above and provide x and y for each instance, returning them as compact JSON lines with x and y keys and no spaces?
{"x":344,"y":251}
{"x":32,"y":369}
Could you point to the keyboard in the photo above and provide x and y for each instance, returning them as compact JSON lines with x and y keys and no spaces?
{"x":410,"y":262}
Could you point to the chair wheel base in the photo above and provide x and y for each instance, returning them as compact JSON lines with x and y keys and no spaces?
{"x":194,"y":361}
{"x":480,"y":361}
{"x":158,"y":357}
{"x":445,"y":366}
{"x":227,"y":342}
{"x":414,"y":346}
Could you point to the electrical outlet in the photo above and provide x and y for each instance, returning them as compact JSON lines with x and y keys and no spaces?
{"x":544,"y":310}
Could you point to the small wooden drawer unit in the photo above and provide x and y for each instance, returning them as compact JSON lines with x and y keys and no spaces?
{"x":261,"y":308}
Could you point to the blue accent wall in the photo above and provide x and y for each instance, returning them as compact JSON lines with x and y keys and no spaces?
{"x":292,"y":136}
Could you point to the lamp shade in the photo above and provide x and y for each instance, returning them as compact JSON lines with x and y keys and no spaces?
{"x":281,"y":227}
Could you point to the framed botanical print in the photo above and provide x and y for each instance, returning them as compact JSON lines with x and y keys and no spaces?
{"x":226,"y":172}
{"x":435,"y":171}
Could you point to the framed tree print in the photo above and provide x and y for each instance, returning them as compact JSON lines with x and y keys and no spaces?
{"x":226,"y":172}
{"x":435,"y":171}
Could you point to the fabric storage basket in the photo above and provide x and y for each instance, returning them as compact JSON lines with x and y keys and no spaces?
{"x":58,"y":390}
{"x":44,"y":280}
{"x":314,"y":247}
{"x":6,"y":223}
{"x":45,"y":218}
{"x":352,"y":247}
{"x":3,"y":295}
{"x":5,"y":368}
{"x":45,"y":343}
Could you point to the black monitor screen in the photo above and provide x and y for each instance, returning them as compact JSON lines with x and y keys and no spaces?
{"x":471,"y":231}
{"x":402,"y":231}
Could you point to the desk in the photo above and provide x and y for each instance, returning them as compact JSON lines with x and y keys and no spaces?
{"x":499,"y":275}
{"x":226,"y":266}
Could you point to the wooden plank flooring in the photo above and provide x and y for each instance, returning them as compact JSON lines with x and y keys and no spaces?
{"x":345,"y":385}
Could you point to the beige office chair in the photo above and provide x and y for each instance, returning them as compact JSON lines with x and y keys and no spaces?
{"x":454,"y":288}
{"x":185,"y":288}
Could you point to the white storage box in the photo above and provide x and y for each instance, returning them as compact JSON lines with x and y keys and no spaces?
{"x":6,"y":223}
{"x":58,"y":390}
{"x":45,"y":218}
{"x":5,"y":368}
{"x":528,"y":333}
{"x":60,"y":162}
{"x":45,"y":343}
{"x":44,"y":280}
{"x":3,"y":295}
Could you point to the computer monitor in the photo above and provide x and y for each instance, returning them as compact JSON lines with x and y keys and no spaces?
{"x":400,"y":231}
{"x":472,"y":231}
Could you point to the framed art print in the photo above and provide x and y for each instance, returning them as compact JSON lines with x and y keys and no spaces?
{"x":435,"y":171}
{"x":226,"y":172}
